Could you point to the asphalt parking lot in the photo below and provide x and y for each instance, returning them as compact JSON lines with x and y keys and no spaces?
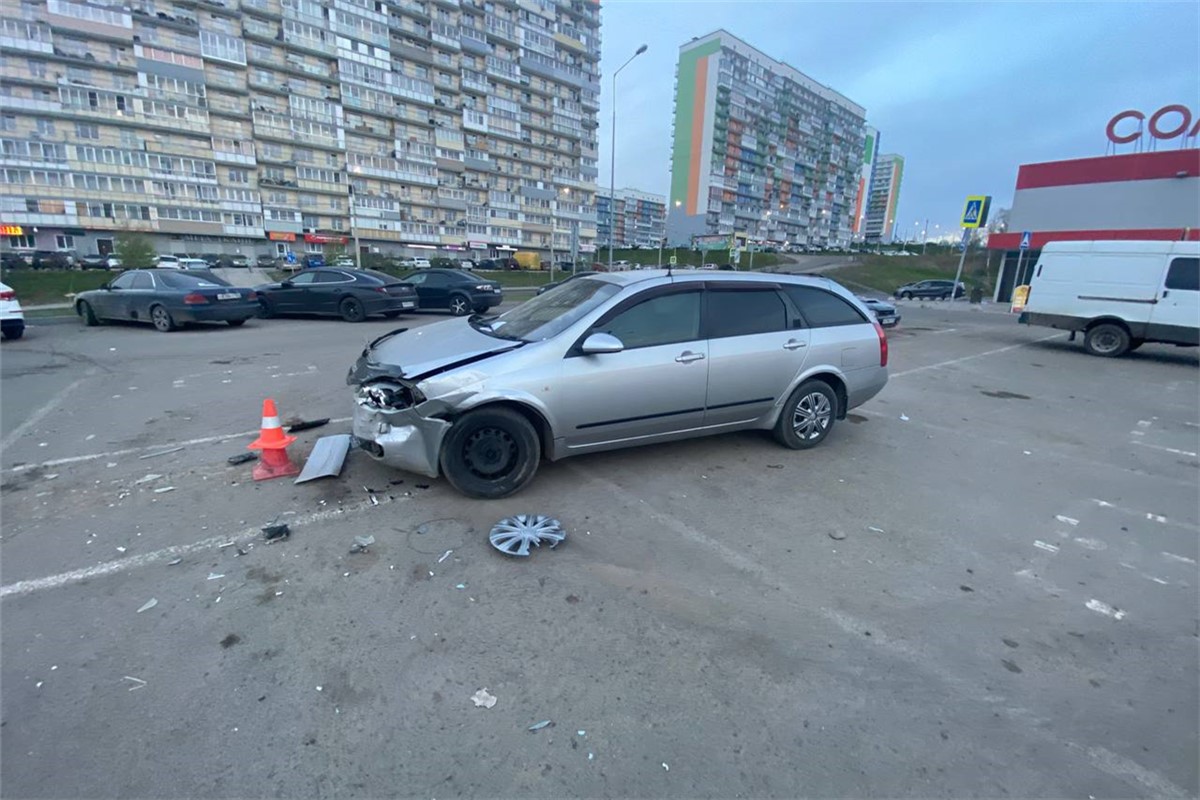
{"x":984,"y":583}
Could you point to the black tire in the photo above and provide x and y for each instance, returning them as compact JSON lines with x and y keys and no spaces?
{"x":1134,"y":344}
{"x":14,"y":333}
{"x":352,"y":310}
{"x":89,"y":316}
{"x":163,"y":323}
{"x":1107,"y":339}
{"x":391,"y":314}
{"x":906,"y":295}
{"x":490,"y":453}
{"x":235,"y":323}
{"x":807,"y":416}
{"x":460,"y":305}
{"x":265,"y":309}
{"x":481,"y":309}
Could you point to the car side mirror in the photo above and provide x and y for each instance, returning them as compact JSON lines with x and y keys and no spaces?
{"x":108,"y":287}
{"x":286,"y":285}
{"x":601,"y":343}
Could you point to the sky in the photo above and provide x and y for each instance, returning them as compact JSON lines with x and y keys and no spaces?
{"x":965,"y":91}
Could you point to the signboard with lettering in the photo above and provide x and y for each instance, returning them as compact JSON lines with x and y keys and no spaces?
{"x":11,"y":230}
{"x":1169,"y":122}
{"x":280,"y":236}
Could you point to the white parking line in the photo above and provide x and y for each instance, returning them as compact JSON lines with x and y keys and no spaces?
{"x":40,"y":414}
{"x":1171,"y":450}
{"x":985,"y":353}
{"x":57,"y":462}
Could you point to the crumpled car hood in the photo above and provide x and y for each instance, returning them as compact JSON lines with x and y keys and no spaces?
{"x":417,"y":354}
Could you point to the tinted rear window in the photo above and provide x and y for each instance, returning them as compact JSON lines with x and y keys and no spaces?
{"x":182,"y":280}
{"x":382,"y":277}
{"x":745,"y":312}
{"x":1184,"y":274}
{"x":822,"y":309}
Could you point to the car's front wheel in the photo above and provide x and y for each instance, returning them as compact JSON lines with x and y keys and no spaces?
{"x":906,"y":295}
{"x":490,"y":453}
{"x":89,"y":316}
{"x":808,"y":416}
{"x":1107,"y":339}
{"x":352,"y":310}
{"x":459,"y":305}
{"x":162,"y":319}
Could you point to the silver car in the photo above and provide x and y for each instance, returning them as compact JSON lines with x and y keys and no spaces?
{"x":615,"y":360}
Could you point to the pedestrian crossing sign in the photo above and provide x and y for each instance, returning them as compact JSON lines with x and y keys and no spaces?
{"x":976,"y":211}
{"x":674,"y":261}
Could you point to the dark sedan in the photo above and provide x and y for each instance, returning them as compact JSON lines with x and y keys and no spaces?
{"x":933,"y":289}
{"x":550,"y":286}
{"x":167,"y":298}
{"x":352,"y":294}
{"x":460,"y":292}
{"x":884,"y":311}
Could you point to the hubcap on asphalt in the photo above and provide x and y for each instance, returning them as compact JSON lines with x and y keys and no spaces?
{"x":490,"y":453}
{"x":812,"y":417}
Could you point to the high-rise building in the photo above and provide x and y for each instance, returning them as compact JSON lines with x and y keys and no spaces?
{"x":883,"y":197}
{"x":637,"y":216}
{"x":266,"y":125}
{"x":870,"y":151}
{"x":760,"y":149}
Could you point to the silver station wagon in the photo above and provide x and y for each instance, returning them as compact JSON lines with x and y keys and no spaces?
{"x":614,"y":360}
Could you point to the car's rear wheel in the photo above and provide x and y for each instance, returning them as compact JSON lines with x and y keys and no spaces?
{"x":1108,"y":339}
{"x":89,"y":316}
{"x":352,"y":310}
{"x":459,"y":305}
{"x":906,"y":295}
{"x":162,"y":319}
{"x":490,"y":453}
{"x":807,"y":416}
{"x":265,"y":309}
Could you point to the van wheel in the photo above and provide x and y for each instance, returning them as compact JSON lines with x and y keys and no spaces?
{"x":807,"y":416}
{"x":490,"y":452}
{"x":1107,"y":339}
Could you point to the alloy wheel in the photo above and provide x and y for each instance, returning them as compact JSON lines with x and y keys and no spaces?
{"x":812,"y":416}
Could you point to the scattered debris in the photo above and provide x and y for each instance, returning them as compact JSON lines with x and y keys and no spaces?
{"x":460,"y":586}
{"x":1027,"y":452}
{"x":837,"y":536}
{"x":966,"y":588}
{"x":326,"y":459}
{"x":539,"y":725}
{"x":147,"y":478}
{"x":306,"y":424}
{"x":1105,"y":609}
{"x":581,"y":733}
{"x":361,"y":543}
{"x":591,"y":756}
{"x":176,"y":561}
{"x":215,"y":576}
{"x":445,"y":555}
{"x":241,"y":458}
{"x":904,"y":417}
{"x":396,"y":482}
{"x":483,"y":699}
{"x":280,"y":531}
{"x":164,"y":489}
{"x":664,"y":765}
{"x":514,"y":535}
{"x":873,"y":528}
{"x":774,"y":466}
{"x":138,"y":681}
{"x":421,"y":485}
{"x":120,"y":549}
{"x":160,"y":453}
{"x":223,"y":545}
{"x":149,"y":604}
{"x":50,"y":477}
{"x":319,"y":688}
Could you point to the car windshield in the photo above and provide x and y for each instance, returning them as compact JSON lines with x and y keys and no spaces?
{"x":181,"y":280}
{"x":549,"y":314}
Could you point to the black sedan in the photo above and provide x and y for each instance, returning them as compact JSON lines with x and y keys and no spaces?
{"x":884,"y":311}
{"x":167,"y":298}
{"x":352,"y":294}
{"x":550,"y":286}
{"x":933,"y":290}
{"x":460,"y":292}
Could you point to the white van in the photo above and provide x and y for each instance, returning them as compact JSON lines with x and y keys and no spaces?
{"x":1120,"y":294}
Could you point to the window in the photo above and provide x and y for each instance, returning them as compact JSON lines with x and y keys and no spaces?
{"x":45,"y":127}
{"x":8,"y":122}
{"x":124,"y":280}
{"x":667,"y":319}
{"x":19,"y":242}
{"x":742,"y":313}
{"x":239,"y":176}
{"x":87,"y":130}
{"x":822,"y":309}
{"x":416,"y":280}
{"x":1184,"y":274}
{"x":304,"y":278}
{"x":141,"y":280}
{"x":64,"y":242}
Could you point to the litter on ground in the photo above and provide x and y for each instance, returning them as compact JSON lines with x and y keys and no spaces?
{"x":327,"y":458}
{"x":514,"y":535}
{"x":445,"y":555}
{"x":307,"y":424}
{"x":361,"y":543}
{"x":241,"y":458}
{"x":537,"y":726}
{"x":280,"y":531}
{"x":149,"y":604}
{"x":160,"y":453}
{"x":215,"y":576}
{"x":482,"y":699}
{"x":163,"y":489}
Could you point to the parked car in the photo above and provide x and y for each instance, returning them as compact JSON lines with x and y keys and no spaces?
{"x":611,"y":360}
{"x":52,"y":259}
{"x":549,"y":286}
{"x":92,"y":261}
{"x":458,"y":291}
{"x":708,"y":266}
{"x":213,"y":259}
{"x":17,"y":260}
{"x":235,"y":261}
{"x":167,"y":298}
{"x":12,"y":318}
{"x":466,"y":263}
{"x":166,"y":262}
{"x":933,"y":289}
{"x":313,"y":260}
{"x":194,"y":264}
{"x":346,"y":262}
{"x":266,"y":261}
{"x":884,"y":311}
{"x":352,"y":294}
{"x":1120,"y":294}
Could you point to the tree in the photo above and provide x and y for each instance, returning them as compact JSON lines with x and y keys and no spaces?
{"x":135,"y":251}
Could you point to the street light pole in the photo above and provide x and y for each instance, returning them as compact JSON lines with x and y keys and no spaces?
{"x":925,"y":236}
{"x":666,"y":219}
{"x":612,"y":167}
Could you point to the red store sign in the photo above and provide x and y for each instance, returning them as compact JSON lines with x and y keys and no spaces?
{"x":1169,"y":122}
{"x":323,"y":238}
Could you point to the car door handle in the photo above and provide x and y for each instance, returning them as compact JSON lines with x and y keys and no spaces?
{"x":792,"y":344}
{"x":687,"y":357}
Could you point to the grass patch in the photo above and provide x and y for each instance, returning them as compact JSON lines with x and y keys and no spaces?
{"x":885,"y":274}
{"x":39,"y":287}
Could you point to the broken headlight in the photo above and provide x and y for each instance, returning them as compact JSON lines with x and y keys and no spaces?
{"x":388,"y":395}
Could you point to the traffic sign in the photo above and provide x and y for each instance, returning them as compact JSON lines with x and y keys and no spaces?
{"x":290,"y":257}
{"x":975,"y":213}
{"x":1025,"y":237}
{"x":674,"y":260}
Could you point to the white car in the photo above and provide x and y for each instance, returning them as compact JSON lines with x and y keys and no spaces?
{"x":167,"y":262}
{"x":112,"y":263}
{"x":12,"y":318}
{"x":345,"y":262}
{"x":708,"y":266}
{"x":421,"y":263}
{"x":466,"y":264}
{"x":191,"y":263}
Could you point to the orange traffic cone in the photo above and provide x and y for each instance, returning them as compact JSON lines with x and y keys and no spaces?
{"x":273,"y":442}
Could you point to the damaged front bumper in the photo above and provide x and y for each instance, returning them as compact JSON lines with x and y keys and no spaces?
{"x":400,"y":438}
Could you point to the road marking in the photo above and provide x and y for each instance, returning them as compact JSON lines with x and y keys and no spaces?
{"x":1120,"y":767}
{"x":175,"y":551}
{"x":55,"y":462}
{"x":985,"y":353}
{"x":1174,"y":557}
{"x":1156,"y":518}
{"x":1091,"y":544}
{"x":1144,"y":423}
{"x":37,"y":416}
{"x":1171,"y":450}
{"x":1067,"y":520}
{"x":1049,"y":548}
{"x":1105,"y":609}
{"x":1152,"y":517}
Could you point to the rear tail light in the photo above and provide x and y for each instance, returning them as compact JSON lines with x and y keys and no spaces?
{"x":8,"y":295}
{"x":380,"y":289}
{"x":195,"y":299}
{"x":883,"y":345}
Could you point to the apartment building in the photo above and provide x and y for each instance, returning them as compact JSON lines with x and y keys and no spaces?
{"x":870,"y":152}
{"x":257,"y":126}
{"x":760,"y":148}
{"x":638,"y":218}
{"x":883,"y":197}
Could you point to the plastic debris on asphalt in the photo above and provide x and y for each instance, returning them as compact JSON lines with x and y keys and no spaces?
{"x":147,"y":478}
{"x":280,"y":531}
{"x":837,"y":535}
{"x":138,"y":682}
{"x":361,"y":543}
{"x":174,"y":562}
{"x":241,"y":458}
{"x":445,"y":555}
{"x":668,"y":769}
{"x":162,"y":489}
{"x":160,"y":453}
{"x":327,"y":458}
{"x":873,"y":528}
{"x":215,"y":576}
{"x":482,"y":699}
{"x":306,"y":424}
{"x":149,"y":604}
{"x":904,"y":418}
{"x":537,"y":726}
{"x":514,"y":535}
